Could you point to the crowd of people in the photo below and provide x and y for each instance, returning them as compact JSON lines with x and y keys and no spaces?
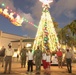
{"x":37,"y":57}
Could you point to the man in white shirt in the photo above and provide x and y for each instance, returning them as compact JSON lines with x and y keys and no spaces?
{"x":69,"y":57}
{"x":8,"y":58}
{"x":30,"y":61}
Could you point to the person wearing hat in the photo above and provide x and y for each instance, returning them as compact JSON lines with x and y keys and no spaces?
{"x":69,"y":57}
{"x":8,"y":58}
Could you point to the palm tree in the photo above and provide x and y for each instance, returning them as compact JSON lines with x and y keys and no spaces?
{"x":67,"y":34}
{"x":72,"y":27}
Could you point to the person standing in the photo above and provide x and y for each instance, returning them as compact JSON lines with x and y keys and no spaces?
{"x":44,"y":59}
{"x":23,"y":57}
{"x":59,"y":57}
{"x":48,"y":62}
{"x":30,"y":61}
{"x":2,"y":54}
{"x":8,"y":58}
{"x":38,"y":58}
{"x":69,"y":58}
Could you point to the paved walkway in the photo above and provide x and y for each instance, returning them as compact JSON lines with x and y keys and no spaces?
{"x":17,"y":70}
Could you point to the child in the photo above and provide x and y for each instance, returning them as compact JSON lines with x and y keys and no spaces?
{"x":44,"y":59}
{"x":48,"y":61}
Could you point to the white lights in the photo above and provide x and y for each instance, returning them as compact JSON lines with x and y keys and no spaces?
{"x":46,"y":2}
{"x":28,"y":45}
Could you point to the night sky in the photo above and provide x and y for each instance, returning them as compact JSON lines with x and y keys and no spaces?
{"x":63,"y":12}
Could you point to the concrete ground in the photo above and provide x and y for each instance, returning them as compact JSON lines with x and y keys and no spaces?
{"x":54,"y":70}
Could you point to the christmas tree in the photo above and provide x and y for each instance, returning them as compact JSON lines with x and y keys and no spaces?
{"x":46,"y":37}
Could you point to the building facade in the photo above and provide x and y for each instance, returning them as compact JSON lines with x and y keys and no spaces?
{"x":18,"y":42}
{"x":6,"y":38}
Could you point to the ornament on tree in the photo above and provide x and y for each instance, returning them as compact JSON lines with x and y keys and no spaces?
{"x":45,"y":30}
{"x":45,"y":38}
{"x":45,"y":24}
{"x":46,"y":46}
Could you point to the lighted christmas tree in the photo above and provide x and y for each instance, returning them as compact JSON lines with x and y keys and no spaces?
{"x":46,"y":37}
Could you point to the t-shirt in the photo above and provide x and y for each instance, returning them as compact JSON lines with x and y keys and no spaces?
{"x":9,"y":52}
{"x":69,"y":55}
{"x":30,"y":55}
{"x":43,"y":56}
{"x":59,"y":53}
{"x":48,"y":58}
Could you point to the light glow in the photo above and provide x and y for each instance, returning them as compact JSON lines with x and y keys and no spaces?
{"x":28,"y":45}
{"x":46,"y":2}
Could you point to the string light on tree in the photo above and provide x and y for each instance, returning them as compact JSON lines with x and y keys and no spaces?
{"x":46,"y":37}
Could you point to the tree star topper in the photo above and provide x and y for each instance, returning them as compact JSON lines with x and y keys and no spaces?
{"x":46,"y":2}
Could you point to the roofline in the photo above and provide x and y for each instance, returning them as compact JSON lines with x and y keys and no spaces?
{"x":25,"y":40}
{"x":14,"y":34}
